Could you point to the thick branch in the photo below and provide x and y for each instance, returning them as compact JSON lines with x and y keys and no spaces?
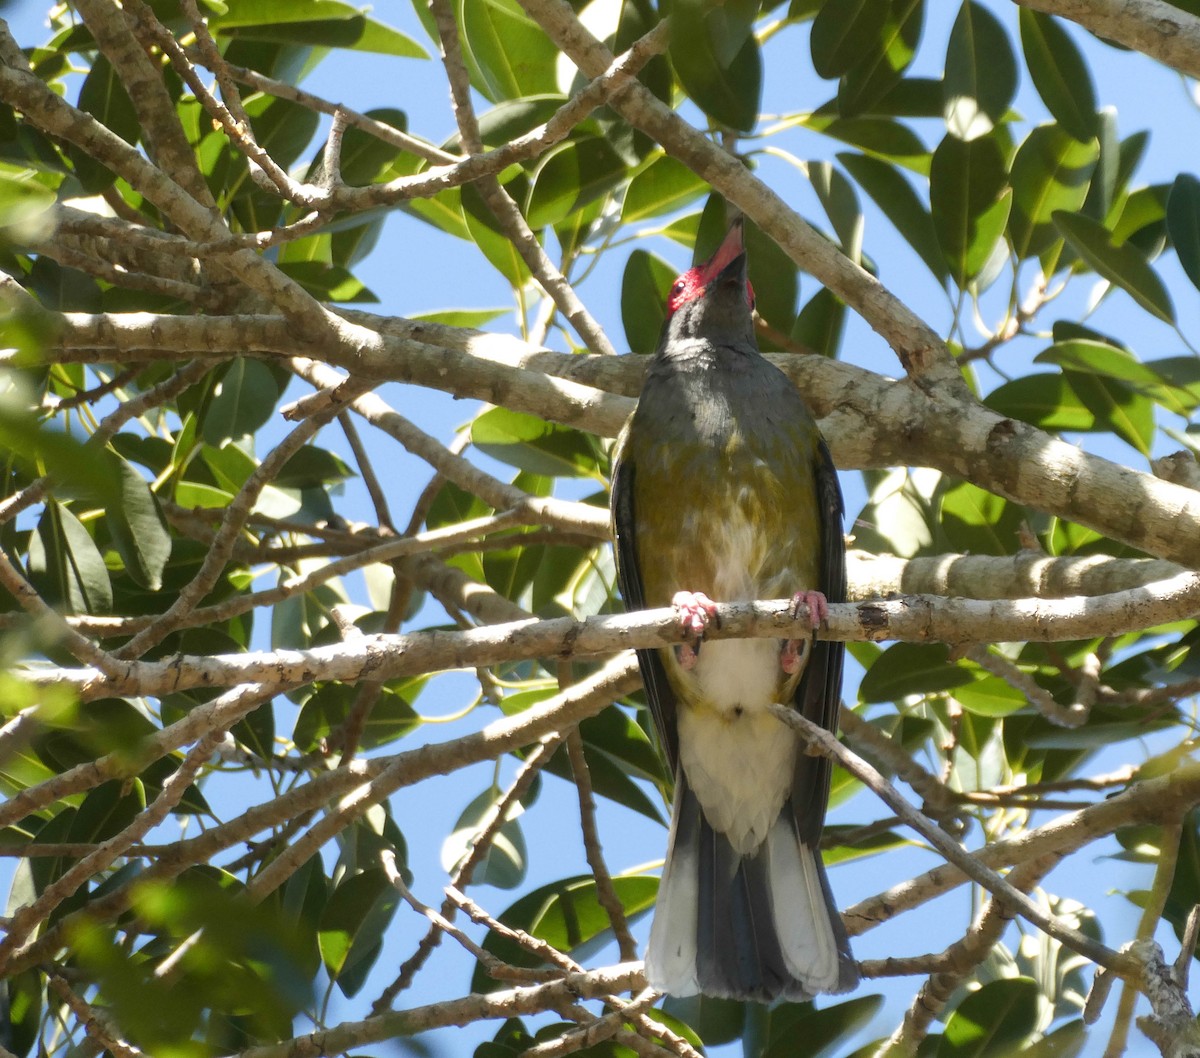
{"x":1153,"y":27}
{"x":916,"y":619}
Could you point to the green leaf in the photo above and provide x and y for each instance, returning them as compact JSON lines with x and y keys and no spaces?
{"x":1142,"y":219}
{"x":818,"y":1028}
{"x":511,"y":118}
{"x":1051,"y":171}
{"x":570,"y":176}
{"x":981,"y":73}
{"x":911,"y":668}
{"x":566,"y":914}
{"x":65,"y":566}
{"x":878,"y":71}
{"x":663,"y":186}
{"x":1046,"y":401}
{"x":1116,"y":406}
{"x":843,"y":32}
{"x":533,"y":444}
{"x":976,"y":521}
{"x":104,"y":97}
{"x":901,"y":205}
{"x":1060,"y":74}
{"x":1067,"y":1041}
{"x":882,"y":137}
{"x":1125,"y":265}
{"x":897,"y":517}
{"x":391,"y":718}
{"x":513,"y":56}
{"x":1103,"y":189}
{"x":354,"y":919}
{"x":311,"y":467}
{"x":366,"y":158}
{"x":1183,"y":222}
{"x":726,"y":87}
{"x":139,"y":529}
{"x":840,"y":203}
{"x":1100,"y":358}
{"x":990,"y":696}
{"x":821,"y":322}
{"x":21,"y":995}
{"x":496,"y":247}
{"x":243,"y":400}
{"x":618,"y":751}
{"x":645,"y":285}
{"x":357,"y":34}
{"x":993,"y":1021}
{"x":970,"y":202}
{"x":24,"y":197}
{"x":506,"y":860}
{"x":239,"y":13}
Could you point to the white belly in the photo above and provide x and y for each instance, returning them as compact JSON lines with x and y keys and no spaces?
{"x":739,"y":762}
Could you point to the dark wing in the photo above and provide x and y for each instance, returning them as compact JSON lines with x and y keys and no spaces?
{"x":629,"y":577}
{"x":819,"y":693}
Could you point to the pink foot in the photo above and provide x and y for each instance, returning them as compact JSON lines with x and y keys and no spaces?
{"x":794,"y":651}
{"x":695,"y":610}
{"x":812,"y":601}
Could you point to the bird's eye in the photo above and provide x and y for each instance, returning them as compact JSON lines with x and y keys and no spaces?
{"x":677,"y":288}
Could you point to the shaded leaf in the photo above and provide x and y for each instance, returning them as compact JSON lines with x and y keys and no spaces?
{"x":1116,"y":406}
{"x":843,"y":32}
{"x":879,"y":70}
{"x":993,"y":1021}
{"x":1059,"y":73}
{"x":566,"y":914}
{"x":663,"y":186}
{"x":840,"y":203}
{"x":645,"y":285}
{"x":901,"y":205}
{"x":727,"y":88}
{"x":820,"y":323}
{"x":104,"y":97}
{"x":505,"y":862}
{"x":243,"y":400}
{"x":496,"y":247}
{"x":981,"y":73}
{"x":976,"y":521}
{"x":354,"y":919}
{"x":512,"y":54}
{"x":1125,"y":265}
{"x":969,"y":200}
{"x":1046,"y":401}
{"x":1051,"y":171}
{"x":570,"y":176}
{"x":139,"y":529}
{"x":911,"y":668}
{"x":881,"y":137}
{"x":818,"y":1028}
{"x":533,"y":444}
{"x":1183,"y":222}
{"x":65,"y":565}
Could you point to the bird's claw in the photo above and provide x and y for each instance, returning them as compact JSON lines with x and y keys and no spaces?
{"x":695,"y":610}
{"x":794,"y":651}
{"x":812,"y":601}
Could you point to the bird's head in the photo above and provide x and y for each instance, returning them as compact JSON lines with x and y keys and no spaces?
{"x":714,"y":300}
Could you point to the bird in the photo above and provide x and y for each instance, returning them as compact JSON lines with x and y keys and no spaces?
{"x":723,"y":489}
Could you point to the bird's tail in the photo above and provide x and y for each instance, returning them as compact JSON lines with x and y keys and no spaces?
{"x":752,"y":927}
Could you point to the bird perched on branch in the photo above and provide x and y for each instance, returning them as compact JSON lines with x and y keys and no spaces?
{"x":723,"y":489}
